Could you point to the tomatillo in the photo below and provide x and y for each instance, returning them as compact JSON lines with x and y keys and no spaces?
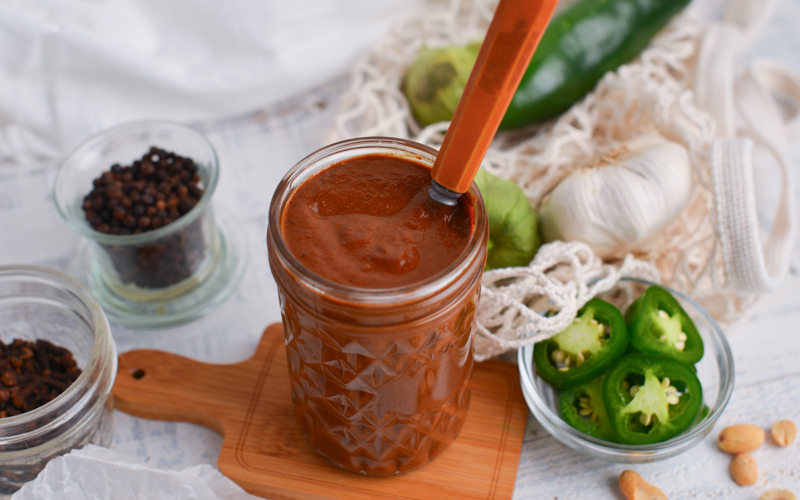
{"x":650,"y":398}
{"x":582,"y":407}
{"x":436,"y":79}
{"x":585,"y":349}
{"x":657,"y":324}
{"x":513,"y":225}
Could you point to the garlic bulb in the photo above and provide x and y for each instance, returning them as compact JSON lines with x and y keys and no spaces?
{"x":618,"y":201}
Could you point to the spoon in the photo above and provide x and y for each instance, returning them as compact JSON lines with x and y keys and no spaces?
{"x":514,"y":34}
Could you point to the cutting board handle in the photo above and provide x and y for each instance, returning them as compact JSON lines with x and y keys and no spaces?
{"x":163,"y":386}
{"x":148,"y":381}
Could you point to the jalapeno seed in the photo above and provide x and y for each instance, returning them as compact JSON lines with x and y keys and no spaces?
{"x":587,"y":410}
{"x":585,"y":348}
{"x":652,"y":399}
{"x":671,"y":326}
{"x":578,"y":342}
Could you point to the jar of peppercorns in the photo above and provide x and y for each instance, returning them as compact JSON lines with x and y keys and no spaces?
{"x":154,"y":252}
{"x":57,"y":367}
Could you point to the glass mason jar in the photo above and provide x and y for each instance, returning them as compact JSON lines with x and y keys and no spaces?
{"x":379,"y":377}
{"x":38,"y":303}
{"x":162,"y":277}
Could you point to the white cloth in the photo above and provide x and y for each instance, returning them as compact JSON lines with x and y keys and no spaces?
{"x":68,"y":69}
{"x":96,"y":473}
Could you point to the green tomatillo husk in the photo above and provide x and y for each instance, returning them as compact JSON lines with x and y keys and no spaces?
{"x":436,"y":79}
{"x":513,"y":224}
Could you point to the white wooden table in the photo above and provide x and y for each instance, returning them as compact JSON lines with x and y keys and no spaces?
{"x":256,"y":150}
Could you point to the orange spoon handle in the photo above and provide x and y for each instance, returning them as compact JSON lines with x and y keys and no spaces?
{"x":515,"y":31}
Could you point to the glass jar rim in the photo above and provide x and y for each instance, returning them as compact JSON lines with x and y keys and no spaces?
{"x":103,"y":346}
{"x":129,"y":128}
{"x":379,"y":296}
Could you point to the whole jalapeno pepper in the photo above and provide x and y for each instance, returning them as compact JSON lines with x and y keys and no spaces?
{"x":581,"y":44}
{"x":583,"y":408}
{"x":657,"y":324}
{"x":650,"y":398}
{"x":585,"y":349}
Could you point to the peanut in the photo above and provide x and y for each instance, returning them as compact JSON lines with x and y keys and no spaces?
{"x":783,"y":432}
{"x":744,"y":469}
{"x":776,"y":494}
{"x":740,"y":438}
{"x":634,"y":487}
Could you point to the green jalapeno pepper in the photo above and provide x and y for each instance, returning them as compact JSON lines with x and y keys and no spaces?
{"x":580,"y":45}
{"x":657,"y":324}
{"x":650,"y":398}
{"x":582,"y":407}
{"x":585,"y":349}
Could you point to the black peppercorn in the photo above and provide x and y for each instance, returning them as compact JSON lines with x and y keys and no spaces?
{"x":151,"y":193}
{"x":127,"y":193}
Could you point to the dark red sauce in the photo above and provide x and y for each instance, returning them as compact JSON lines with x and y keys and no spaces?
{"x":367,"y":222}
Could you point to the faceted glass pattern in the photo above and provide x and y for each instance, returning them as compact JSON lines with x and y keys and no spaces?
{"x":380,"y":404}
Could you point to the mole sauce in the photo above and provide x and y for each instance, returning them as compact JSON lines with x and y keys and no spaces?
{"x":368,"y":223}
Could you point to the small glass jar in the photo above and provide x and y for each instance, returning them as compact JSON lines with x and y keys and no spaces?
{"x":379,"y":377}
{"x":162,"y":277}
{"x":38,"y":303}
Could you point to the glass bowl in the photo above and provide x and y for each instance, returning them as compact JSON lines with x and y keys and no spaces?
{"x":38,"y":303}
{"x":163,"y":277}
{"x":715,"y":371}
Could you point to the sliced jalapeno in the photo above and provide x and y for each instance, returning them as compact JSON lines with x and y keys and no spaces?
{"x":585,"y":349}
{"x":650,"y":398}
{"x":582,"y":407}
{"x":657,"y":324}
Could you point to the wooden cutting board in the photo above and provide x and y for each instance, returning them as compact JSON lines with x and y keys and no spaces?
{"x":265,"y":452}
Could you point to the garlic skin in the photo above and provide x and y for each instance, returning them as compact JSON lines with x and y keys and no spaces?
{"x":620,"y":200}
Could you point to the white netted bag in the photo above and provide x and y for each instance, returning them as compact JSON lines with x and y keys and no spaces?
{"x":683,"y":87}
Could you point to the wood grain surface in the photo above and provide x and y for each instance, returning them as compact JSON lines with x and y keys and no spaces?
{"x":265,"y":452}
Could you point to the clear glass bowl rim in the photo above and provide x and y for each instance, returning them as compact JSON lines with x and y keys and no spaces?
{"x":132,"y":128}
{"x":369,"y":296}
{"x":103,"y":348}
{"x":668,"y":448}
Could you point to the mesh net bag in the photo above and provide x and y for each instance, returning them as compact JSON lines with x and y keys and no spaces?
{"x":683,"y":87}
